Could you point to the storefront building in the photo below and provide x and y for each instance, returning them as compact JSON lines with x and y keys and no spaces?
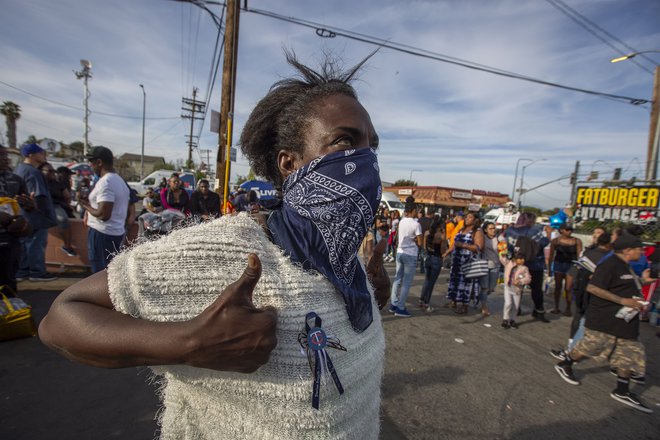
{"x":450,"y":199}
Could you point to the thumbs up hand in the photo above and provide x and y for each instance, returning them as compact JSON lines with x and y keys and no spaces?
{"x":378,"y":276}
{"x":232,"y":334}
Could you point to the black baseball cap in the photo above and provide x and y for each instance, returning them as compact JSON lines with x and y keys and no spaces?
{"x":627,"y":241}
{"x":99,"y":152}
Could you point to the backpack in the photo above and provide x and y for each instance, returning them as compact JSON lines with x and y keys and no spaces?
{"x":527,"y":247}
{"x":580,"y":289}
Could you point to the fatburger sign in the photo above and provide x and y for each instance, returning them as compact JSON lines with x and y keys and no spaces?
{"x":637,"y":204}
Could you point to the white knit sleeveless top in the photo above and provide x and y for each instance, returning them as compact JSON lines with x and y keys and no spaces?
{"x":176,"y":277}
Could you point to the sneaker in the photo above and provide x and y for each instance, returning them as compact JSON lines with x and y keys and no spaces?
{"x":505,"y":324}
{"x":402,"y":313}
{"x":637,"y":378}
{"x":513,"y":324}
{"x":19,"y":279}
{"x":44,"y":277}
{"x":558,"y":354}
{"x":70,"y":252}
{"x":631,"y":400}
{"x":393,"y":309}
{"x":429,"y":309}
{"x":566,"y":373}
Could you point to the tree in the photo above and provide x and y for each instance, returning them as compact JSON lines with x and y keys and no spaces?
{"x":164,"y":166}
{"x":11,"y":112}
{"x":240,"y":180}
{"x":32,"y":139}
{"x":531,"y":209}
{"x":405,"y":182}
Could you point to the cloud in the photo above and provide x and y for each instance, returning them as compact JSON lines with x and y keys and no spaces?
{"x":463,"y":128}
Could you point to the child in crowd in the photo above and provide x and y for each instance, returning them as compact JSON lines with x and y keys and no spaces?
{"x":516,"y":276}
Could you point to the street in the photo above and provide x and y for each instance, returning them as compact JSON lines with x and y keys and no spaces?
{"x":446,"y":377}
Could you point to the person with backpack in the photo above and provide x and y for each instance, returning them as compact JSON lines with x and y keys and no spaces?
{"x":516,"y":276}
{"x":585,"y":269}
{"x":612,"y":322}
{"x":528,"y":239}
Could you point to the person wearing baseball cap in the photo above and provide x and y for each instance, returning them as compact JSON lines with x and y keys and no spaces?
{"x":33,"y":247}
{"x":106,"y":209}
{"x":612,"y":322}
{"x":100,"y":152}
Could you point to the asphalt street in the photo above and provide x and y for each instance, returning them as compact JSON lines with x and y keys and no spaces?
{"x":446,"y":377}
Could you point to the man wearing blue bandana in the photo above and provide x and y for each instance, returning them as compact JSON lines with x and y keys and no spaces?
{"x":228,"y":346}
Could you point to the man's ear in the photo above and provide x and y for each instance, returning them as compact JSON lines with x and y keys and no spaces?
{"x":286,"y":162}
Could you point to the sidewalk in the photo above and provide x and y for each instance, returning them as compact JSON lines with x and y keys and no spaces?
{"x":64,"y":280}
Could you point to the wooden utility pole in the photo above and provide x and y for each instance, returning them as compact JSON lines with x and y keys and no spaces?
{"x":193,"y":106}
{"x":223,"y":169}
{"x":654,"y":130}
{"x":574,"y":180}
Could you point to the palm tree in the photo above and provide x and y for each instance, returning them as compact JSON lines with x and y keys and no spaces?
{"x":12,"y":113}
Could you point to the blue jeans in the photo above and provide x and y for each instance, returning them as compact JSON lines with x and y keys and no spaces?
{"x":405,"y":272}
{"x":433,"y":266}
{"x":488,"y":283}
{"x":102,"y":248}
{"x":33,"y":255}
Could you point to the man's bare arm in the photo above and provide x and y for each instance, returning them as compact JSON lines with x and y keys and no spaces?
{"x":609,"y":296}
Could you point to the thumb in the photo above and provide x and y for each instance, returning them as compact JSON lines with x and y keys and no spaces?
{"x":239,"y":293}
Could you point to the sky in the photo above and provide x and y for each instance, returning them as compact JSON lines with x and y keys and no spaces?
{"x":442,"y":124}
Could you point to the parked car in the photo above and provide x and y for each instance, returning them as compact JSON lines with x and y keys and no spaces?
{"x":153,"y":180}
{"x":392,"y":202}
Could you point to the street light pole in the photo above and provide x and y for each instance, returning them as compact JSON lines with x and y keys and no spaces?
{"x":411,"y":173}
{"x":144,"y":110}
{"x":85,"y":74}
{"x":522,"y":178}
{"x":654,"y":130}
{"x":515,"y":179}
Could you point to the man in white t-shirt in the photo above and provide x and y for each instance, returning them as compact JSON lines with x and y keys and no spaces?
{"x":410,"y":240}
{"x":106,"y":210}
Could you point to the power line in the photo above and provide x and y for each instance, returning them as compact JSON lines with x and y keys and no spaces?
{"x":589,"y":26}
{"x":80,"y":108}
{"x":215,"y":65}
{"x":331,"y":32}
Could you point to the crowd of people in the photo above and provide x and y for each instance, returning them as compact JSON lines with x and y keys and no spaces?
{"x":611,"y":272}
{"x":39,"y":197}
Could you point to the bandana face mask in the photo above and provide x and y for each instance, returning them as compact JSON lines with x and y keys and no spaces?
{"x":328,"y":208}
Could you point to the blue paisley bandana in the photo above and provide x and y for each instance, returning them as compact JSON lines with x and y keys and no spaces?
{"x":328,"y":208}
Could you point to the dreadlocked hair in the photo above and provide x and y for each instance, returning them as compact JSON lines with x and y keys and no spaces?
{"x":279,"y":120}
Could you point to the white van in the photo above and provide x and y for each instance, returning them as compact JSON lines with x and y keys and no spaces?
{"x":392,"y":202}
{"x":501,"y":216}
{"x":153,"y":180}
